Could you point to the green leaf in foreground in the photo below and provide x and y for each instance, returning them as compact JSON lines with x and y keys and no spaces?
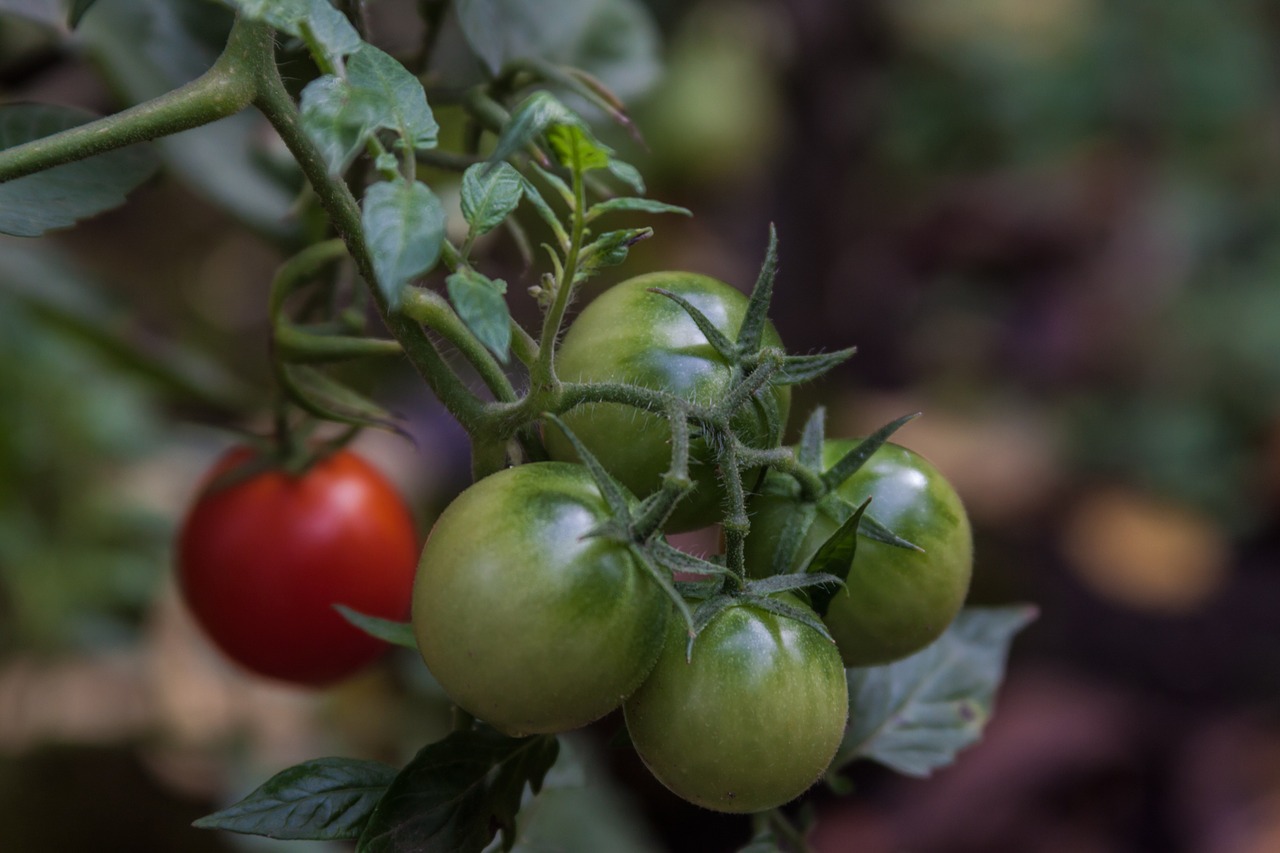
{"x":401,"y":100}
{"x":914,"y":715}
{"x":490,"y":191}
{"x":404,"y":226}
{"x":458,"y":793}
{"x":326,"y":799}
{"x":388,"y":630}
{"x":61,"y":196}
{"x":480,"y":303}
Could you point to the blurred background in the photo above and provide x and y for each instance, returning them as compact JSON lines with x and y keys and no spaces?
{"x":1052,"y":227}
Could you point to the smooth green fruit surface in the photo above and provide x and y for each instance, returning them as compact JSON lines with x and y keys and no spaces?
{"x":630,"y":334}
{"x":898,"y":600}
{"x":752,"y":721}
{"x":528,"y":623}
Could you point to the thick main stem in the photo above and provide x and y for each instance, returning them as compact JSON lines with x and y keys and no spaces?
{"x":225,"y":89}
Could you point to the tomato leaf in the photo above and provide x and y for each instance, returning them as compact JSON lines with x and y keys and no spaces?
{"x":325,"y":799}
{"x":714,"y":336}
{"x":535,"y":116}
{"x":480,"y":303}
{"x":627,"y":173}
{"x":401,"y":100}
{"x":338,"y":118}
{"x":404,"y":227}
{"x":805,"y":368}
{"x":849,"y":464}
{"x":682,"y":562}
{"x":490,"y":192}
{"x":637,"y":205}
{"x":61,"y":196}
{"x":329,"y":27}
{"x":458,"y":793}
{"x":916,"y":714}
{"x":388,"y":630}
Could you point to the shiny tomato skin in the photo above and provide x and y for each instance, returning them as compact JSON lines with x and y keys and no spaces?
{"x":526,"y":621}
{"x":898,"y":600}
{"x":262,"y":560}
{"x":630,"y":334}
{"x":751,"y":721}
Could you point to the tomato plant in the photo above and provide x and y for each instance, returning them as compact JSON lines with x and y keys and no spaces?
{"x":897,"y":599}
{"x":528,"y":621}
{"x":632,"y":334}
{"x":265,"y":554}
{"x":547,"y":593}
{"x":750,"y":719}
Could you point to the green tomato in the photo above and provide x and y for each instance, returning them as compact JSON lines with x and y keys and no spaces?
{"x":629,"y":334}
{"x":898,"y":600}
{"x":526,"y":621}
{"x":751,"y":721}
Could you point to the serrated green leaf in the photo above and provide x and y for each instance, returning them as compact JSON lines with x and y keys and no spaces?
{"x":388,"y":630}
{"x":915,"y":715}
{"x":76,"y":11}
{"x":851,"y":462}
{"x":531,"y":118}
{"x":458,"y":793}
{"x":61,"y":196}
{"x":404,"y":229}
{"x":636,"y":205}
{"x":480,"y":303}
{"x":338,"y":118}
{"x":490,"y":192}
{"x":793,"y":533}
{"x":400,"y":97}
{"x":576,"y":148}
{"x":326,"y":799}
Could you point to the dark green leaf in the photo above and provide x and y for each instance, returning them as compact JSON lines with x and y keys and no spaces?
{"x":402,"y":102}
{"x":388,"y":630}
{"x":338,"y":118}
{"x":835,"y":557}
{"x":329,"y":27}
{"x":857,"y":457}
{"x":61,"y":196}
{"x":490,"y":192}
{"x":714,"y":336}
{"x":404,"y":228}
{"x":812,"y":439}
{"x":534,"y":196}
{"x":458,"y":793}
{"x":322,"y":800}
{"x":804,"y":368}
{"x":76,"y":11}
{"x":480,"y":303}
{"x":639,"y":205}
{"x":627,"y":173}
{"x":751,"y":332}
{"x":916,"y":714}
{"x":531,"y":118}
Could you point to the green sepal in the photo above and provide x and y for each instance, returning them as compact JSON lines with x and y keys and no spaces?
{"x":388,"y":630}
{"x":796,"y":369}
{"x":326,"y":799}
{"x":751,"y":332}
{"x":675,"y":560}
{"x":835,"y":557}
{"x":857,"y":457}
{"x":714,"y":336}
{"x":812,"y":439}
{"x":627,"y":173}
{"x":614,"y":493}
{"x":793,"y":533}
{"x":789,"y":583}
{"x":531,"y":118}
{"x":662,"y":577}
{"x":803,"y":615}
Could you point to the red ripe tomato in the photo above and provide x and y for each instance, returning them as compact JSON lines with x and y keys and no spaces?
{"x":262,"y":560}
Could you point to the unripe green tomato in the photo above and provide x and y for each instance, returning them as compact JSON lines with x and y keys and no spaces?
{"x":751,"y":721}
{"x":629,"y":334}
{"x":898,"y":601}
{"x":526,"y":621}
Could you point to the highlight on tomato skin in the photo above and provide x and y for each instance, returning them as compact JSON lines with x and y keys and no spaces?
{"x":263,"y":559}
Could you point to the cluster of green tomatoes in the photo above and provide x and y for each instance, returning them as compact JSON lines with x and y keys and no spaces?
{"x":540,"y":603}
